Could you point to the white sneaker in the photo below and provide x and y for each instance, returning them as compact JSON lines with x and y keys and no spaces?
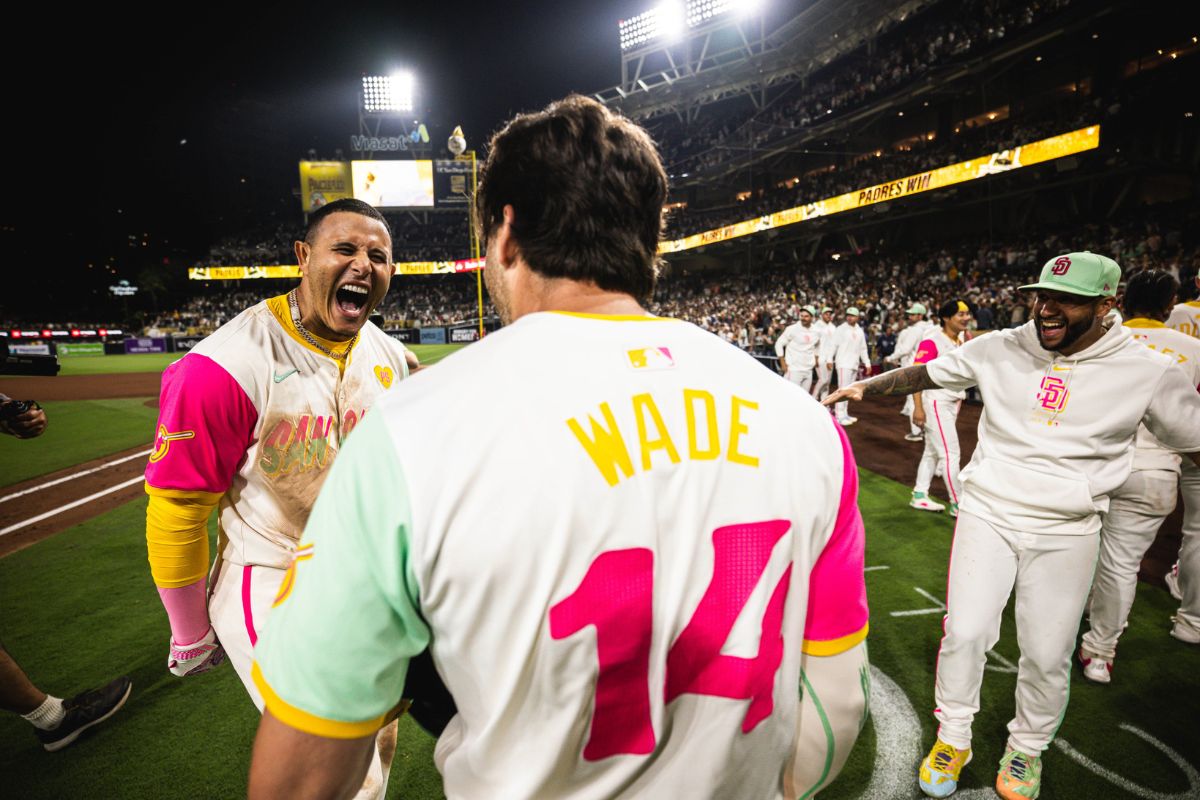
{"x":913,"y":437}
{"x":1172,"y":580}
{"x":922,"y":502}
{"x":1095,"y":669}
{"x":846,"y":422}
{"x":1184,"y":632}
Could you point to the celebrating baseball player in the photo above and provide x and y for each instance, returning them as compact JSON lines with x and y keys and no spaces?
{"x":906,"y":347}
{"x":1064,"y":395}
{"x":847,"y":353}
{"x":1136,"y":509}
{"x":824,"y":328}
{"x":647,"y":545}
{"x":936,"y":411}
{"x":249,"y":422}
{"x":797,"y":347}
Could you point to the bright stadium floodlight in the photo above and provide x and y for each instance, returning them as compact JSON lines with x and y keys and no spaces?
{"x":666,"y":21}
{"x":383,"y":94}
{"x":700,"y":11}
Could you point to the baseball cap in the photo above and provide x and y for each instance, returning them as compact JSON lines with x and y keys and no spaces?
{"x":1083,"y":273}
{"x":916,"y":308}
{"x":825,"y":308}
{"x":852,"y":312}
{"x":809,"y":309}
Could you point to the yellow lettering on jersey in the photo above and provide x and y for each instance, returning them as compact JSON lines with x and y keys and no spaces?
{"x":643,"y":405}
{"x":709,"y":453}
{"x":736,"y":429}
{"x":605,"y":447}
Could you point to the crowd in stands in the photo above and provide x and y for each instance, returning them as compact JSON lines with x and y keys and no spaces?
{"x":906,"y":52}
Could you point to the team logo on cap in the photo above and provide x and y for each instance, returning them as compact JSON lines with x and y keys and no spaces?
{"x":1061,"y":265}
{"x":162,"y":442}
{"x":385,"y":376}
{"x":650,"y":358}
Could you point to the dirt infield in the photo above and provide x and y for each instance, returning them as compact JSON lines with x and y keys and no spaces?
{"x":879,"y":446}
{"x":82,"y":387}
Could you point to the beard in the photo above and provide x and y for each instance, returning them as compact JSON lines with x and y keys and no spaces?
{"x":1071,"y":334}
{"x":493,"y":279}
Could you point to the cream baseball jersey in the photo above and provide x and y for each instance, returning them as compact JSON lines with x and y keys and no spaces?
{"x":1185,"y":352}
{"x":1056,"y":432}
{"x":615,"y":534}
{"x":1185,"y":318}
{"x":935,"y":343}
{"x":255,"y":415}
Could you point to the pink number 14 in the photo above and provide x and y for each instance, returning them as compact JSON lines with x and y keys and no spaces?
{"x":616,"y":596}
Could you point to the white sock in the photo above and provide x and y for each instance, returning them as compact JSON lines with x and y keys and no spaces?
{"x":49,"y":715}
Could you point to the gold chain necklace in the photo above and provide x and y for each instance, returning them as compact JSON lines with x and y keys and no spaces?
{"x":294,"y":306}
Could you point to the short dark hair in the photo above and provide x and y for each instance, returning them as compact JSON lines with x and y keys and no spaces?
{"x":1149,"y":293}
{"x":587,"y":189}
{"x":950,"y":308}
{"x":347,"y":204}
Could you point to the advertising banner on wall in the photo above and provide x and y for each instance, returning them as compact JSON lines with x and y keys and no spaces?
{"x":323,"y":182}
{"x":81,"y":349}
{"x":433,"y":335}
{"x":155,"y":345}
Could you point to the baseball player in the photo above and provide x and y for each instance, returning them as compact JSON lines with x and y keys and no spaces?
{"x":824,"y":328}
{"x":936,"y":410}
{"x":250,"y":420}
{"x":906,"y":347}
{"x":1064,"y":395}
{"x":649,"y":544}
{"x":1137,"y":509}
{"x":1184,"y":578}
{"x":797,"y":348}
{"x":847,"y":352}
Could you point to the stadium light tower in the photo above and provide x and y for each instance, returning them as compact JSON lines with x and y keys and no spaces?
{"x":392,"y":99}
{"x":383,"y":94}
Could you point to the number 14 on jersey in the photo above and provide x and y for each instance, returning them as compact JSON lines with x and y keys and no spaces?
{"x":616,"y":596}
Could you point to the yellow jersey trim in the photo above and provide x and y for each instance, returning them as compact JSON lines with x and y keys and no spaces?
{"x":616,"y":317}
{"x":310,"y":723}
{"x":835,"y":646}
{"x":1193,"y":303}
{"x":1142,"y":322}
{"x":283,"y":315}
{"x":205,"y":498}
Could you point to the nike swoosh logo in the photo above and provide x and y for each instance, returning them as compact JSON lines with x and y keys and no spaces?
{"x":281,"y":378}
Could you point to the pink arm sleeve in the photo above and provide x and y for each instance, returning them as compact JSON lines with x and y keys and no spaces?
{"x":926,"y":351}
{"x":205,"y":423}
{"x":837,"y":590}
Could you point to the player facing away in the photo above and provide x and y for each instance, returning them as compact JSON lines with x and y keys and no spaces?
{"x":639,"y":546}
{"x":1184,"y":578}
{"x":797,"y":347}
{"x":250,"y":421}
{"x":847,"y":353}
{"x":936,"y":411}
{"x":1063,"y":397}
{"x":1136,"y":509}
{"x":906,"y":347}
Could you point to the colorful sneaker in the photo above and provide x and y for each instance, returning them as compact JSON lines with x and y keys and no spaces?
{"x":1095,"y":669}
{"x":939,"y":771}
{"x":922,"y":502}
{"x":1020,"y":776}
{"x":1172,"y":581}
{"x":954,"y":510}
{"x":85,"y":710}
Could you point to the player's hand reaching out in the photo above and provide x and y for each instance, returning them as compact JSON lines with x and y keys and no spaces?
{"x":197,"y":657}
{"x":852,"y":392}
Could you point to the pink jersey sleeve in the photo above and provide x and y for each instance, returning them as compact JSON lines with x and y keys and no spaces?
{"x":926,"y":351}
{"x":837,"y":589}
{"x":205,"y":423}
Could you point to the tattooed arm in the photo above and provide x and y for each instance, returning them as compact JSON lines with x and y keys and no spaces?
{"x":897,"y":382}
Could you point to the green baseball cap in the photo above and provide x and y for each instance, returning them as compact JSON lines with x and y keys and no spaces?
{"x":826,"y":308}
{"x":852,"y":312}
{"x":917,"y":308}
{"x":809,"y":309}
{"x":1084,"y":273}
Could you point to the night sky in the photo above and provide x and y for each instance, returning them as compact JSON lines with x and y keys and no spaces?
{"x":131,"y":130}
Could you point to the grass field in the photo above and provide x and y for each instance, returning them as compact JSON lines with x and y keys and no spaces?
{"x":80,"y":607}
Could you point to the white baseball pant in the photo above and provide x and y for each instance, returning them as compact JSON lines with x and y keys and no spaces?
{"x":1135,"y":513}
{"x":941,"y":445}
{"x":1051,"y":575}
{"x":1189,"y":553}
{"x":846,"y":376}
{"x":801,"y":377}
{"x":907,"y":410}
{"x":239,"y":604}
{"x":820,"y":390}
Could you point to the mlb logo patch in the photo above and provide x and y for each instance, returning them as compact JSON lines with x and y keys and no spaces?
{"x":650,"y":358}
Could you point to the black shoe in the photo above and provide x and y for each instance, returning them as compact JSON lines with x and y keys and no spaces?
{"x":85,"y":710}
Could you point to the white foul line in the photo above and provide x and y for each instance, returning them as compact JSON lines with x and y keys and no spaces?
{"x":865,"y":569}
{"x":72,"y":476}
{"x":71,"y":505}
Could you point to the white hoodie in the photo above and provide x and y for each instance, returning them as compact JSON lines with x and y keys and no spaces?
{"x":1056,"y":434}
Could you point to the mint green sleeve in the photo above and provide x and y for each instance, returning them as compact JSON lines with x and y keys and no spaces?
{"x":333,"y":658}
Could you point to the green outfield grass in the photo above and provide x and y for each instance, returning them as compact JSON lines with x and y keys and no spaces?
{"x":77,"y":431}
{"x":113,"y":365}
{"x":80,"y":608}
{"x":433,"y":353}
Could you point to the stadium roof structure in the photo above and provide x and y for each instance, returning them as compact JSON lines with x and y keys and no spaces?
{"x":730,"y":55}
